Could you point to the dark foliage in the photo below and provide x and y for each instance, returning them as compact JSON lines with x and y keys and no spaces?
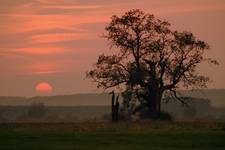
{"x":37,"y":110}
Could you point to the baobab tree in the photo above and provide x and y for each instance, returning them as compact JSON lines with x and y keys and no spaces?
{"x":148,"y":59}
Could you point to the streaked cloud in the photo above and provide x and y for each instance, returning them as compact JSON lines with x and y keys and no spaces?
{"x":41,"y":68}
{"x":46,"y":37}
{"x":78,"y":7}
{"x":40,"y":50}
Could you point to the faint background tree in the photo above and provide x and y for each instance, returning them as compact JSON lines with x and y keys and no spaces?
{"x":37,"y":110}
{"x":149,"y":58}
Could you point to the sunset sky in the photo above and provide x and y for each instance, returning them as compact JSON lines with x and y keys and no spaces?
{"x":57,"y":41}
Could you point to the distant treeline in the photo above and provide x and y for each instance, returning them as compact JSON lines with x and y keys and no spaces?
{"x":198,"y":109}
{"x":39,"y":112}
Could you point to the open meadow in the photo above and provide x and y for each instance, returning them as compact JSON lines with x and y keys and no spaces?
{"x":110,"y":136}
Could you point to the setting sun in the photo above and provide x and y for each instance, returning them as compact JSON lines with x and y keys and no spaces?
{"x":44,"y":88}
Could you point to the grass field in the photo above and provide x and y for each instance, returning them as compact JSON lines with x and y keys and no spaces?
{"x":107,"y":136}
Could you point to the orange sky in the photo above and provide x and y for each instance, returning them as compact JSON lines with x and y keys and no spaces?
{"x":58,"y":41}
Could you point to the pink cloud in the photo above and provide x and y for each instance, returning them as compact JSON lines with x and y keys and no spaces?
{"x":40,"y":50}
{"x":79,"y":7}
{"x":29,"y":23}
{"x":50,"y":67}
{"x":41,"y":68}
{"x":59,"y":37}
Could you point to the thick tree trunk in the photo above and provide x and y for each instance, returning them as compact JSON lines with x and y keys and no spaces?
{"x":159,"y":100}
{"x":154,"y":102}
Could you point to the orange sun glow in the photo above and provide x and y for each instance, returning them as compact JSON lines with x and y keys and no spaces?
{"x":44,"y":88}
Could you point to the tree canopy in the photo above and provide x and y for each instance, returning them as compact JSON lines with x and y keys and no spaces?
{"x":149,"y":58}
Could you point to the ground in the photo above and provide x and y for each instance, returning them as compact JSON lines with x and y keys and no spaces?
{"x":118,"y":136}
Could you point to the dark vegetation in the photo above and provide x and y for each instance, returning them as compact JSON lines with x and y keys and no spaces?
{"x":37,"y":110}
{"x":54,"y":113}
{"x":199,"y":109}
{"x":67,"y":108}
{"x":110,"y":136}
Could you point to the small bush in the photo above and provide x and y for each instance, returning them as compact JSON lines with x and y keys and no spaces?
{"x":165,"y":116}
{"x":125,"y":116}
{"x":37,"y":110}
{"x":144,"y":114}
{"x":106,"y":117}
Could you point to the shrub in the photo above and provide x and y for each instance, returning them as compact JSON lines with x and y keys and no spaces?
{"x":165,"y":116}
{"x":37,"y":110}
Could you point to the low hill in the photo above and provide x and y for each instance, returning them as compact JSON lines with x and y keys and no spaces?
{"x":217,"y":98}
{"x":59,"y":100}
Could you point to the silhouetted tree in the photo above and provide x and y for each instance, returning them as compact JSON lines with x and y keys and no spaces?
{"x":150,"y":58}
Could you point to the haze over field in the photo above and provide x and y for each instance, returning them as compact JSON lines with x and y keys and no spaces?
{"x":58,"y":41}
{"x":217,"y":98}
